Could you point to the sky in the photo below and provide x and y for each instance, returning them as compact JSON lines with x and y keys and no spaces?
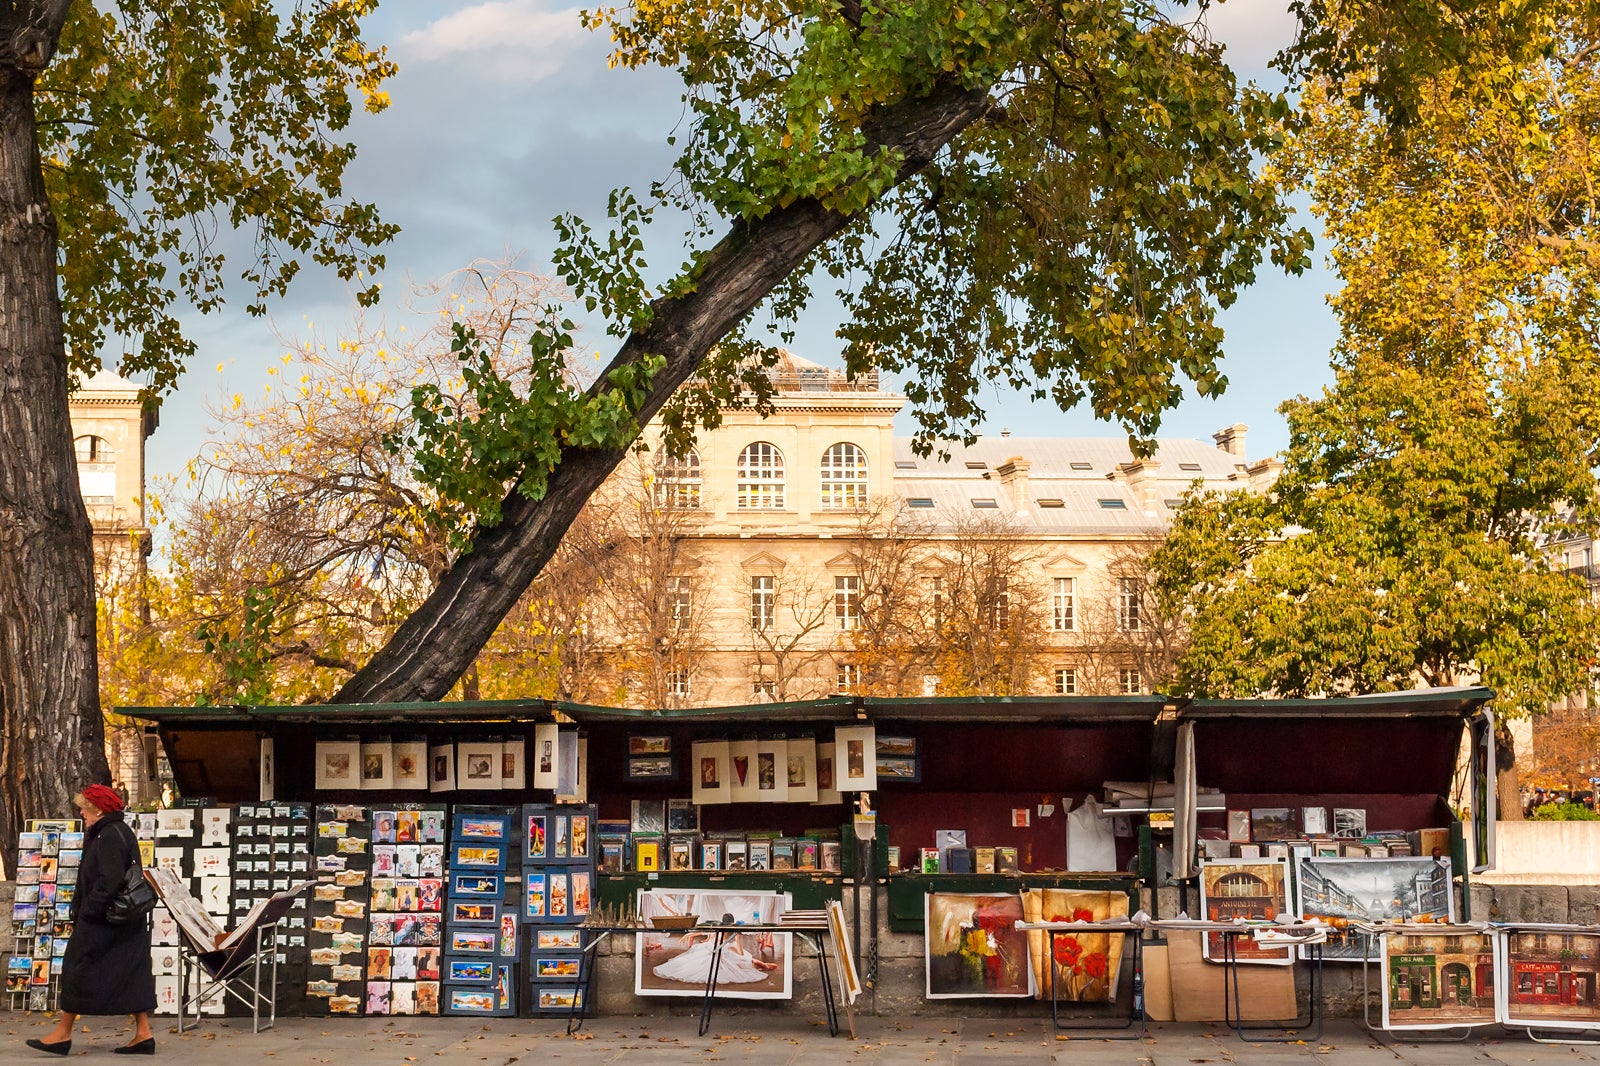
{"x":505,"y":114}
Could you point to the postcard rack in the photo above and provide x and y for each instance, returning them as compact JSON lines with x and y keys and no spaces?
{"x":48,"y":853}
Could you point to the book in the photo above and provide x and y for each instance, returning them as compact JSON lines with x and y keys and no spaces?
{"x":930,"y":860}
{"x":983,"y":861}
{"x":1005,"y":860}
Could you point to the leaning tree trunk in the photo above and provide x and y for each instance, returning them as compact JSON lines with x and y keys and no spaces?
{"x":440,"y":639}
{"x":1508,"y":788}
{"x":51,"y":735}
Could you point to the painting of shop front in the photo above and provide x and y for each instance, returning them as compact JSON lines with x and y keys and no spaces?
{"x":1442,"y":980}
{"x":1549,"y":980}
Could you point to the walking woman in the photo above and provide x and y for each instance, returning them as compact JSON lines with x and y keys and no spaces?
{"x":107,"y":967}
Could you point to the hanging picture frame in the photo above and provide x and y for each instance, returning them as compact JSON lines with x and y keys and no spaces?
{"x":411,"y":764}
{"x":710,"y":772}
{"x":651,"y":768}
{"x":899,"y":758}
{"x":742,"y":766}
{"x":855,"y":761}
{"x":377,"y":764}
{"x":338,"y":764}
{"x":268,"y":769}
{"x":827,"y":774}
{"x":477,"y":765}
{"x":772,"y":771}
{"x":513,"y":769}
{"x":546,"y":771}
{"x":442,"y":768}
{"x":801,"y":769}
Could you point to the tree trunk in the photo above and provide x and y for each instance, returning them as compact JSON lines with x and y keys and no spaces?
{"x":1508,"y":792}
{"x":51,"y":734}
{"x":440,"y":639}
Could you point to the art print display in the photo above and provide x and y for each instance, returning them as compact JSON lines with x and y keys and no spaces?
{"x":855,"y":758}
{"x":898,"y":759}
{"x":1549,"y":975}
{"x":742,"y":764}
{"x":755,"y":965}
{"x":40,"y":913}
{"x":411,"y":764}
{"x":339,"y":941}
{"x":1251,"y":889}
{"x":513,"y":767}
{"x":546,"y":755}
{"x":827,"y":777}
{"x":1087,"y":965}
{"x":801,"y":769}
{"x":1342,"y":890}
{"x":1437,"y":979}
{"x":441,"y":768}
{"x":710,"y":772}
{"x":974,"y":948}
{"x":377,"y":764}
{"x":338,"y":767}
{"x":478,"y":765}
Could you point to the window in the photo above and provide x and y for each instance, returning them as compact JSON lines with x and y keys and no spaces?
{"x":1081,"y":465}
{"x":919,"y":501}
{"x":763,"y":602}
{"x":904,"y":464}
{"x":764,"y":687}
{"x":844,"y":477}
{"x":1050,"y":501}
{"x":977,"y":466}
{"x":760,"y":486}
{"x":1066,"y":681}
{"x":984,"y":502}
{"x":1114,"y":505}
{"x":1188,"y":466}
{"x":1129,"y":594}
{"x":1062,"y":605}
{"x":1130,"y":681}
{"x":1000,"y":609}
{"x":678,"y":602}
{"x":97,"y":471}
{"x":678,"y":481}
{"x":678,"y":682}
{"x":847,"y":600}
{"x":933,"y":590}
{"x":847,"y":677}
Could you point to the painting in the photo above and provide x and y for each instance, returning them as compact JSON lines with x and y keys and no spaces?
{"x":742,"y":763}
{"x":1087,"y":965}
{"x":710,"y":771}
{"x":546,"y":736}
{"x":973,"y":946}
{"x":411,"y":764}
{"x":1253,"y":889}
{"x":801,"y":758}
{"x":338,"y":764}
{"x":650,"y":768}
{"x":855,"y":766}
{"x":1548,"y":977}
{"x":651,"y":744}
{"x":441,"y":768}
{"x":1437,"y":980}
{"x":1339,"y":891}
{"x":752,"y":965}
{"x":478,"y":764}
{"x":897,"y":759}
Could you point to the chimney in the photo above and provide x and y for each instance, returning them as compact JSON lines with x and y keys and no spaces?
{"x":1014,"y":475}
{"x":1140,"y":475}
{"x":1231,"y":440}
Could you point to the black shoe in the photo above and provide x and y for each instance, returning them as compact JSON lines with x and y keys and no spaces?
{"x":60,"y":1047}
{"x":147,"y":1046}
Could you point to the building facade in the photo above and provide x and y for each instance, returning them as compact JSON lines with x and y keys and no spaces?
{"x":813,"y":552}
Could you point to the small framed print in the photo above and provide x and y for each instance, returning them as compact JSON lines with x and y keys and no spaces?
{"x":474,"y":941}
{"x":513,"y":772}
{"x":651,"y":768}
{"x":682,"y":816}
{"x":537,"y":841}
{"x":579,"y":832}
{"x":442,"y":768}
{"x":772,"y":771}
{"x":898,"y":759}
{"x":478,"y":765}
{"x":534,"y":893}
{"x":570,"y":939}
{"x":338,"y":765}
{"x":709,"y":772}
{"x":469,"y":971}
{"x":546,"y":755}
{"x":411,"y":764}
{"x":1350,"y":822}
{"x":377,"y":764}
{"x":649,"y":744}
{"x":475,"y":912}
{"x":827,"y":779}
{"x":801,"y":769}
{"x":1314,"y":821}
{"x":742,"y":764}
{"x":477,"y":827}
{"x":555,"y":967}
{"x":648,"y":816}
{"x":856,"y":764}
{"x":479,"y":857}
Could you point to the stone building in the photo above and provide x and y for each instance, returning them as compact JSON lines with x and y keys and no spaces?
{"x":814,"y":552}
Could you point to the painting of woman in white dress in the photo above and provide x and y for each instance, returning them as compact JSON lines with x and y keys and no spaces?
{"x":752,"y":966}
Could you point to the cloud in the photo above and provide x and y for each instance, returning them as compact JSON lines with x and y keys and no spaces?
{"x":518,"y":42}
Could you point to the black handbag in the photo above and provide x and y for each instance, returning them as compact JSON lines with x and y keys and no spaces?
{"x":135,"y":897}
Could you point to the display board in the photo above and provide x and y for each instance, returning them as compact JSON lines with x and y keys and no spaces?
{"x":48,"y":854}
{"x":405,"y":909}
{"x":338,"y":956}
{"x":559,"y":850}
{"x":480,"y":933}
{"x":271,"y":853}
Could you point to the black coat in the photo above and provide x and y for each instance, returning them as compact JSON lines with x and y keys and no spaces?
{"x":107,"y":967}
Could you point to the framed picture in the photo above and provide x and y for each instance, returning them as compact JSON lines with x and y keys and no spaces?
{"x":473,"y":941}
{"x":649,"y":816}
{"x":1271,"y":823}
{"x":1350,"y":822}
{"x":898,"y":759}
{"x":959,"y":965}
{"x":1548,"y":978}
{"x":268,"y":768}
{"x":772,"y":771}
{"x":651,"y":768}
{"x":710,"y":856}
{"x":801,"y":769}
{"x":1314,"y":821}
{"x":546,"y":756}
{"x":377,"y":764}
{"x":711,"y":770}
{"x":649,"y":744}
{"x":535,"y":893}
{"x":411,"y":764}
{"x":487,"y":885}
{"x":441,"y":768}
{"x":742,"y":762}
{"x":680,"y":853}
{"x":557,"y":939}
{"x":1438,"y":980}
{"x":856,"y":765}
{"x":477,"y":827}
{"x":555,"y":967}
{"x":338,"y":764}
{"x":827,"y":779}
{"x":751,"y":966}
{"x":1255,"y":889}
{"x":478,"y":765}
{"x":1341,"y":890}
{"x":513,"y":769}
{"x":1088,"y":965}
{"x":682,"y":816}
{"x":474,"y":857}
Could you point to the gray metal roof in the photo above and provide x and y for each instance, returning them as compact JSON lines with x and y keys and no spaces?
{"x":1053,"y":457}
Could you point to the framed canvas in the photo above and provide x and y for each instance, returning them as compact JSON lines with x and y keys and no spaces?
{"x":1437,"y":979}
{"x":960,"y":964}
{"x":1399,"y":889}
{"x":442,"y":768}
{"x":827,"y":774}
{"x":801,"y":759}
{"x":513,"y":768}
{"x":1350,"y":822}
{"x":546,"y":769}
{"x":855,"y":764}
{"x":411,"y":764}
{"x":338,"y":764}
{"x":742,"y":763}
{"x":711,"y":772}
{"x":752,"y":965}
{"x":1256,"y":889}
{"x":478,"y":765}
{"x":1314,"y":821}
{"x":1087,"y":965}
{"x":649,"y":816}
{"x":1549,"y":977}
{"x":377,"y":764}
{"x":1271,"y":823}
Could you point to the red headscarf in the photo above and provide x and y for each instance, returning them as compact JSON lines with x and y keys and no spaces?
{"x":104,"y":798}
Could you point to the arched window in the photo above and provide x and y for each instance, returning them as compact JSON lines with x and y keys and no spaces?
{"x":97,"y":470}
{"x":678,"y":481}
{"x":760,"y":478}
{"x":844,"y":477}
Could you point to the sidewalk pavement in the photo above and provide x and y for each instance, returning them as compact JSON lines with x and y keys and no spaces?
{"x":759,"y":1038}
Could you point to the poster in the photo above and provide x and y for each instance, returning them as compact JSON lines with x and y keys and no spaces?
{"x":1339,"y":891}
{"x":1548,"y":977}
{"x":1088,"y":965}
{"x":753,"y":965}
{"x":1437,"y":980}
{"x":1252,"y":889}
{"x":974,"y":947}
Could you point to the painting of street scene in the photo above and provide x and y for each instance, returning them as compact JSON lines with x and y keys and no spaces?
{"x":1437,"y":980}
{"x":1341,"y":891}
{"x":1550,"y":979}
{"x":1256,"y":890}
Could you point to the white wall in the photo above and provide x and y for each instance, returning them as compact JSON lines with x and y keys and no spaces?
{"x":1545,"y":853}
